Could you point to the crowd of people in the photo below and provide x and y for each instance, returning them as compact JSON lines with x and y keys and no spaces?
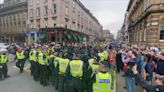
{"x":89,"y":68}
{"x":67,"y":68}
{"x":150,"y":65}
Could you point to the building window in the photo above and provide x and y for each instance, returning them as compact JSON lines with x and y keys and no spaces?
{"x":38,"y":11}
{"x":74,"y":15}
{"x":66,"y":11}
{"x":73,"y":3}
{"x":31,"y":13}
{"x":54,"y":9}
{"x":54,"y":25}
{"x":46,"y":23}
{"x":162,"y":32}
{"x":46,"y":10}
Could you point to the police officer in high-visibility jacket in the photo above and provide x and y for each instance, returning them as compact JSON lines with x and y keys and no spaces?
{"x":78,"y":72}
{"x":42,"y":68}
{"x":101,"y":55}
{"x":20,"y":54}
{"x":102,"y":80}
{"x":33,"y":59}
{"x":63,"y":73}
{"x":92,"y":70}
{"x":3,"y":65}
{"x":57,"y":58}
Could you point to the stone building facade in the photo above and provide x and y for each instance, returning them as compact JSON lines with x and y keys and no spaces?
{"x":61,"y":16}
{"x":13,"y":21}
{"x":146,"y":22}
{"x":107,"y":36}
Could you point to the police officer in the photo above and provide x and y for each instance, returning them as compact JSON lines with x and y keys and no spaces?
{"x":78,"y":72}
{"x":103,"y":79}
{"x":20,"y":59}
{"x":42,"y":68}
{"x":51,"y":66}
{"x":63,"y":73}
{"x":37,"y":66}
{"x":33,"y":59}
{"x":101,"y":55}
{"x":3,"y":65}
{"x":92,"y":70}
{"x":57,"y":58}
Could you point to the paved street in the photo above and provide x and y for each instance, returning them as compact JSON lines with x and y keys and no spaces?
{"x":22,"y":83}
{"x":25,"y":83}
{"x":121,"y":83}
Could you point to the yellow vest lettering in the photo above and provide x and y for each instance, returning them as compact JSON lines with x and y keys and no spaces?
{"x":103,"y":83}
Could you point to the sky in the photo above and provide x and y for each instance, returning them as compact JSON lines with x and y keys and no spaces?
{"x":1,"y":1}
{"x":110,"y":13}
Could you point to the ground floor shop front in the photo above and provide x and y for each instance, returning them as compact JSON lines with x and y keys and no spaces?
{"x":57,"y":35}
{"x":13,"y":38}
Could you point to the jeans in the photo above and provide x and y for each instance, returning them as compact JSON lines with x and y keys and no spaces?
{"x":130,"y":84}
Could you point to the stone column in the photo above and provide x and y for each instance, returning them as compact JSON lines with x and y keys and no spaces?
{"x":29,"y":39}
{"x":36,"y":37}
{"x":60,"y":39}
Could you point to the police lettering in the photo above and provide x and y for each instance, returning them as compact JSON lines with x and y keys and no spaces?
{"x":104,"y":81}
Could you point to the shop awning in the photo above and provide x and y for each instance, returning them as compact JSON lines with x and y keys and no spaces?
{"x":42,"y":35}
{"x":69,"y":36}
{"x":80,"y":38}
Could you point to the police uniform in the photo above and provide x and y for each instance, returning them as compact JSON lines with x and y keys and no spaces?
{"x":102,"y":83}
{"x":33,"y":59}
{"x":102,"y":56}
{"x":37,"y":67}
{"x":3,"y":66}
{"x":92,"y":70}
{"x":55,"y":72}
{"x":63,"y":74}
{"x":77,"y":70}
{"x":42,"y":68}
{"x":21,"y":60}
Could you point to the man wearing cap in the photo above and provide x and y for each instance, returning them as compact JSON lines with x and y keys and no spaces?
{"x":3,"y":65}
{"x":78,"y":72}
{"x":101,"y":55}
{"x":92,"y":70}
{"x":55,"y":71}
{"x":20,"y":59}
{"x":63,"y":73}
{"x":42,"y":66}
{"x":102,"y":80}
{"x":33,"y":59}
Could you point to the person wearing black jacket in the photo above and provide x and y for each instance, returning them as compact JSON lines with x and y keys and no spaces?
{"x":159,"y":82}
